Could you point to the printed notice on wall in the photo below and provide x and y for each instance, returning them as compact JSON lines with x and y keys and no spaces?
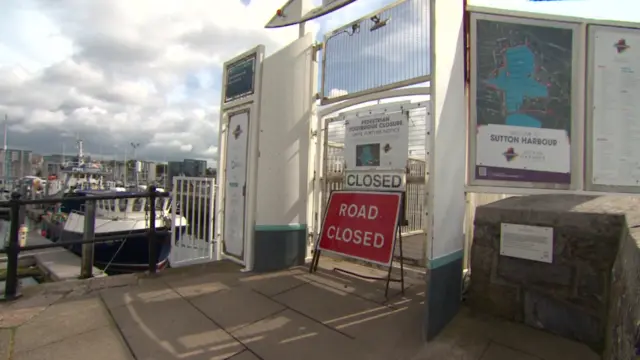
{"x":377,"y":142}
{"x":527,"y":242}
{"x":616,"y":110}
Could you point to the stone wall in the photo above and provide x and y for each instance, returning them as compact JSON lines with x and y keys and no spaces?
{"x":624,"y":312}
{"x":572,"y":296}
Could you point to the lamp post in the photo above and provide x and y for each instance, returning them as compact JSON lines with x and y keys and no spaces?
{"x":135,"y":146}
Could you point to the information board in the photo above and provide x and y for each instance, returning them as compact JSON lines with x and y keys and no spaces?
{"x":522,"y":96}
{"x":615,"y":107}
{"x":527,"y":242}
{"x":240,"y":78}
{"x":377,"y":142}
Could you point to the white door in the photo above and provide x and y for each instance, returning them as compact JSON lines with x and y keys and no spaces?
{"x":235,"y":184}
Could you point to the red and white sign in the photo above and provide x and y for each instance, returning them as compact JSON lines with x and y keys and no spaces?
{"x":361,"y":225}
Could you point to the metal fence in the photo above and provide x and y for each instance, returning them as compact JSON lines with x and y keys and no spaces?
{"x":381,"y":51}
{"x":15,"y":209}
{"x":194,"y":198}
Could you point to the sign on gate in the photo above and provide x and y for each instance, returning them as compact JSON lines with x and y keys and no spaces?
{"x":377,"y":142}
{"x":374,"y":180}
{"x":361,"y":225}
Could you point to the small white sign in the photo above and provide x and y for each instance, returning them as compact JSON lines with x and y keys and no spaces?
{"x":374,"y":180}
{"x":377,"y":142}
{"x":527,"y":242}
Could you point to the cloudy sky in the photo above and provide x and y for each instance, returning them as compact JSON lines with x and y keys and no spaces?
{"x":122,"y":71}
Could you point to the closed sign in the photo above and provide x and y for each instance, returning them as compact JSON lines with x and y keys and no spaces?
{"x":379,"y":181}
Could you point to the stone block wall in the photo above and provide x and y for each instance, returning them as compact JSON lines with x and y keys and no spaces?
{"x":573,"y":296}
{"x":623,"y":337}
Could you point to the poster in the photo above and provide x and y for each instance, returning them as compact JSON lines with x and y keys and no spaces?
{"x":615,"y":133}
{"x":240,"y":78}
{"x":523,"y":99}
{"x":235,"y":183}
{"x":377,"y":142}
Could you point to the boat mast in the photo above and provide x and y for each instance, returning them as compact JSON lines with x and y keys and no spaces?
{"x":80,"y":152}
{"x":7,"y":157}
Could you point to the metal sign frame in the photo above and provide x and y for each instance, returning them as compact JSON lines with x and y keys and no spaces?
{"x":282,"y":19}
{"x":590,"y":120}
{"x":577,"y":106}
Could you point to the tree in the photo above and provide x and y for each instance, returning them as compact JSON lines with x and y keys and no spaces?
{"x":211,"y":172}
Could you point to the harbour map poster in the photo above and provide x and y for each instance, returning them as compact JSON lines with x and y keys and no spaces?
{"x":614,"y":69}
{"x":377,"y":142}
{"x":521,"y":85}
{"x":235,"y":183}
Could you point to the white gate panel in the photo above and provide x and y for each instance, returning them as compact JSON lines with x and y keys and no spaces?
{"x":193,"y":199}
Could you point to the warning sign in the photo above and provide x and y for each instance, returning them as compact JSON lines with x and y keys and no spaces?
{"x":377,"y":142}
{"x":361,"y":225}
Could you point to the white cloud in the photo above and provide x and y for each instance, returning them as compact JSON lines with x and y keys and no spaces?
{"x":122,"y":71}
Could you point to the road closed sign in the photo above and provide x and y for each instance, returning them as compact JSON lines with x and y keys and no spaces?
{"x":361,"y":225}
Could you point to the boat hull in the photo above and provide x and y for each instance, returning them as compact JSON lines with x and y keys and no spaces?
{"x":119,"y":256}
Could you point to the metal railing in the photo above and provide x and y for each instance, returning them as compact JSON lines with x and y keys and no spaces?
{"x":16,"y":214}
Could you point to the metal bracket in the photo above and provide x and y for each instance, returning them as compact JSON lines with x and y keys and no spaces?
{"x":404,"y":107}
{"x":314,"y":133}
{"x":316,"y":47}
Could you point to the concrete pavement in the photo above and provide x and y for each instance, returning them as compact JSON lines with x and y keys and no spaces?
{"x":215,"y":312}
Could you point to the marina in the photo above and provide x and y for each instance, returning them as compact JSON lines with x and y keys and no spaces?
{"x":346,"y":161}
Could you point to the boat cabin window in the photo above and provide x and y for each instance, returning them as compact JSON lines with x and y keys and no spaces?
{"x":160,"y":204}
{"x":122,"y":204}
{"x":138,"y":204}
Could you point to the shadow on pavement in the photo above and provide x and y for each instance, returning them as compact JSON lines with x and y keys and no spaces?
{"x":216,"y":312}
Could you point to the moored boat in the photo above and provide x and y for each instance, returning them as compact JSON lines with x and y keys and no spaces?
{"x":122,"y":217}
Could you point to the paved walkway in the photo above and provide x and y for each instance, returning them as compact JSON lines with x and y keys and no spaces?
{"x":215,"y":312}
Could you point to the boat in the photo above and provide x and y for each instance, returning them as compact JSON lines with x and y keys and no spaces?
{"x":78,"y":174}
{"x":121,"y":217}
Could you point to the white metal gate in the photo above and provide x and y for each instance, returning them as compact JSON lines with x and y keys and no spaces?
{"x":192,"y":226}
{"x":333,"y":168}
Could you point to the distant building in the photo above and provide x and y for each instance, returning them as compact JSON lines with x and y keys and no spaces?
{"x":186,"y":167}
{"x":126,"y":172}
{"x":51,"y":164}
{"x":15,"y":164}
{"x":195,"y":168}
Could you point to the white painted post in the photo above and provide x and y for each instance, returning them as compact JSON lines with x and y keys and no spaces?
{"x":447,"y":168}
